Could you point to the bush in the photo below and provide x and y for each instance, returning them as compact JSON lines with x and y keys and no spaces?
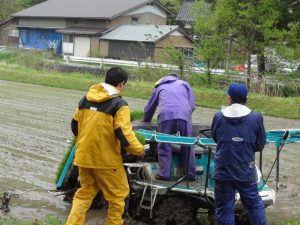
{"x":283,"y":90}
{"x":147,"y":74}
{"x":200,"y":80}
{"x":9,"y":57}
{"x":66,"y":68}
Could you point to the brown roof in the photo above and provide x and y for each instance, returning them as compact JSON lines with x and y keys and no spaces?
{"x":94,"y":9}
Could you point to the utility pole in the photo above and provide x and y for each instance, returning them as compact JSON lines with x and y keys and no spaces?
{"x":228,"y":52}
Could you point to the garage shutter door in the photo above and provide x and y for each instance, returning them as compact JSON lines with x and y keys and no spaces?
{"x":82,"y":46}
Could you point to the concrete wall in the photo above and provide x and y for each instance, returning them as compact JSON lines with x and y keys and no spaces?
{"x":149,"y":18}
{"x":144,"y":18}
{"x":103,"y":48}
{"x":95,"y":51}
{"x":149,"y":14}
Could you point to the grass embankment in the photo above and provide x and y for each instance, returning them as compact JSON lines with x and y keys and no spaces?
{"x":205,"y":97}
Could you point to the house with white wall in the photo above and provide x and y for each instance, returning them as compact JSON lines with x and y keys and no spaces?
{"x":74,"y":26}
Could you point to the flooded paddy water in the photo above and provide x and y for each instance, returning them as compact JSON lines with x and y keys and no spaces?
{"x":34,"y":133}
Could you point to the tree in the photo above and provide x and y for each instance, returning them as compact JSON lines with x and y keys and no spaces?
{"x":7,"y":8}
{"x":175,"y":56}
{"x":211,"y":42}
{"x":173,"y":5}
{"x":28,"y":3}
{"x":251,"y":25}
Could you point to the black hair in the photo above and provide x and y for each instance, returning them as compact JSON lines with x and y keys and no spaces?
{"x":116,"y":75}
{"x":173,"y":74}
{"x":239,"y":99}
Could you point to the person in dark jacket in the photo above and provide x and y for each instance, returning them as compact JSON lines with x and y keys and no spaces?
{"x":239,"y":133}
{"x":176,"y":103}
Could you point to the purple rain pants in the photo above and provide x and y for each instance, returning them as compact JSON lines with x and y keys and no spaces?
{"x":165,"y":150}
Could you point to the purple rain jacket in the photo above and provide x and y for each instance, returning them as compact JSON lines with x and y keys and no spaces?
{"x":175,"y":100}
{"x":239,"y":133}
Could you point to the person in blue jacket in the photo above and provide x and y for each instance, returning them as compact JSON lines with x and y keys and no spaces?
{"x":176,"y":103}
{"x":239,"y":132}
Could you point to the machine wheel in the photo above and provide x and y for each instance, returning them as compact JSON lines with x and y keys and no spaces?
{"x":131,"y":221}
{"x":242,"y":219}
{"x":176,"y":211}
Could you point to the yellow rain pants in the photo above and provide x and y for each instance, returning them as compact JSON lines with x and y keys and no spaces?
{"x":114,"y":185}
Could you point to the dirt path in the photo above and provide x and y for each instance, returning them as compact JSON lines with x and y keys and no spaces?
{"x":34,"y":129}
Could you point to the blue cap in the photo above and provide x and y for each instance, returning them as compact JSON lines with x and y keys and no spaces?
{"x":237,"y":89}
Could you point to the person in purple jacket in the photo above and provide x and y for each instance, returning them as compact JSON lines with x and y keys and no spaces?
{"x":239,"y":132}
{"x":176,"y":103}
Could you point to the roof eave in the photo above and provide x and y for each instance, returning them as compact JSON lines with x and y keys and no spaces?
{"x":169,"y":12}
{"x":166,"y":34}
{"x":59,"y":17}
{"x":128,"y":10}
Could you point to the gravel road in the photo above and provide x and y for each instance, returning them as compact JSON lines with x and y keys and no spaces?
{"x":35,"y":128}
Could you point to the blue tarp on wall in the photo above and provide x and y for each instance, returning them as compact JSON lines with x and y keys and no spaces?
{"x":41,"y":39}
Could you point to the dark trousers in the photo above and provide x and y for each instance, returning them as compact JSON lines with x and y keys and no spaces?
{"x":225,"y":202}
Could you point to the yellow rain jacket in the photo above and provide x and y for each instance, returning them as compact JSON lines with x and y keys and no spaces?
{"x":103,"y":126}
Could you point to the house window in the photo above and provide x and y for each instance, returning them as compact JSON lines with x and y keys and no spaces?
{"x":79,"y":21}
{"x":134,"y":20}
{"x":13,"y":33}
{"x":68,"y":38}
{"x":189,"y":55}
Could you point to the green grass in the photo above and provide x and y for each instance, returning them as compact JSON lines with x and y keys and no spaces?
{"x":63,"y":161}
{"x":136,"y":115}
{"x":49,"y":220}
{"x":141,"y":138}
{"x":205,"y":97}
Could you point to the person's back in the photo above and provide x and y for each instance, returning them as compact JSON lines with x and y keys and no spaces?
{"x":237,"y":136}
{"x":238,"y":132}
{"x":95,"y":121}
{"x":174,"y":100}
{"x":176,"y":103}
{"x":102,"y":125}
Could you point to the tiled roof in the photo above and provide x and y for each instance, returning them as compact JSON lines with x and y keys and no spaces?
{"x":95,"y":9}
{"x":139,"y":33}
{"x":188,"y":12}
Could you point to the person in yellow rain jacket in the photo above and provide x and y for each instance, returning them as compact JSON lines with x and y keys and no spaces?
{"x":102,"y":126}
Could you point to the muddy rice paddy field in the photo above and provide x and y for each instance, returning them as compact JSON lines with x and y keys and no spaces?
{"x":34,"y":133}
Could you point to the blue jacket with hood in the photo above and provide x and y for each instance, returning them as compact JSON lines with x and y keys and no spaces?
{"x":239,"y":133}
